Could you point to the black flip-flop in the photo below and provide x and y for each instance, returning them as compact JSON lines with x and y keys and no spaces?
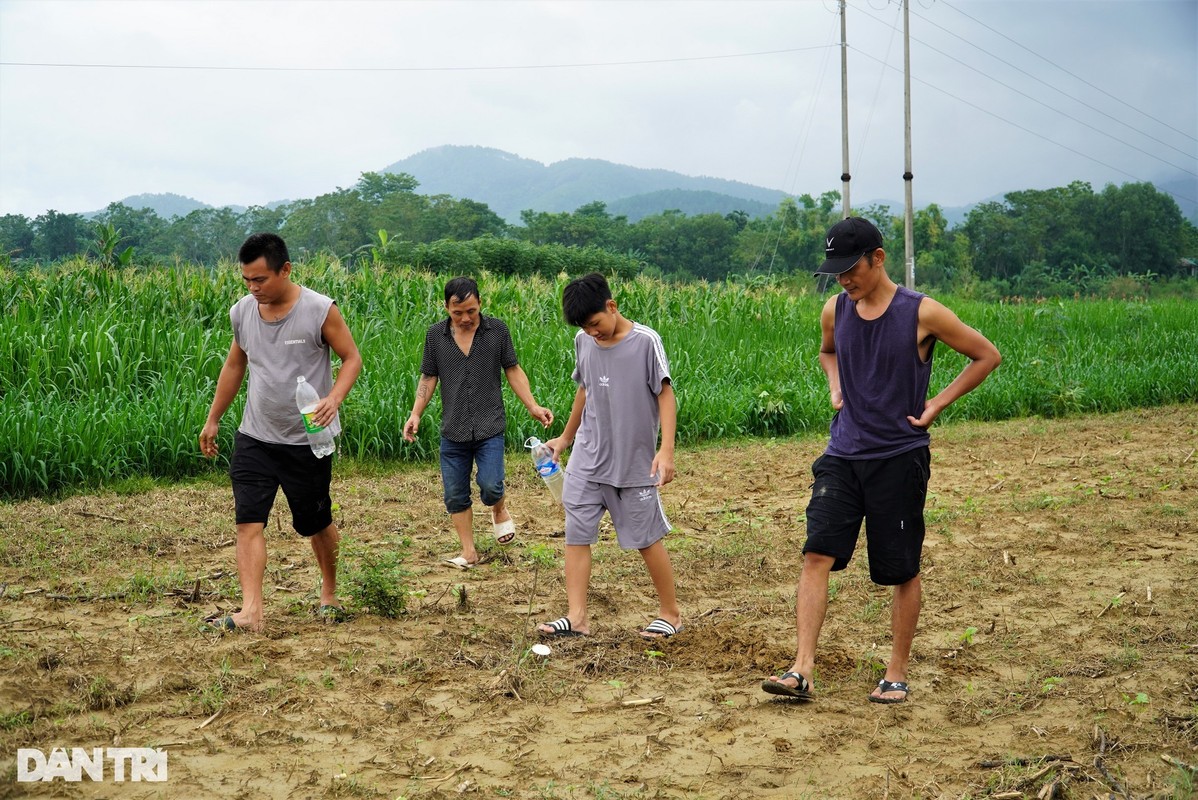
{"x":659,"y":629}
{"x":331,"y":613}
{"x":890,"y":686}
{"x":802,"y":691}
{"x":561,"y":629}
{"x":220,"y":624}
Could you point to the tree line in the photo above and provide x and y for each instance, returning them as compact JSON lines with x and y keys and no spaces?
{"x":1062,"y":241}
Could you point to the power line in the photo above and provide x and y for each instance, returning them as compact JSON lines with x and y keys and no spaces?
{"x":493,"y":68}
{"x":1041,"y":103}
{"x":1063,"y":92}
{"x":1029,"y":130}
{"x":1070,"y":74}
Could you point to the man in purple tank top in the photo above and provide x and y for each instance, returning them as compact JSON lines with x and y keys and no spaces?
{"x":876,"y":346}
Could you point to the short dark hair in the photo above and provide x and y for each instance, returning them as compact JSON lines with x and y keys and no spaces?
{"x":462,"y":289}
{"x":585,"y":297}
{"x":270,"y":245}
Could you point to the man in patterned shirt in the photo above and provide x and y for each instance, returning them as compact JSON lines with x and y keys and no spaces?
{"x":466,"y":353}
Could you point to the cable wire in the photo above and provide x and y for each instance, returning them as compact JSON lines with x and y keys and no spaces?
{"x":494,"y":68}
{"x":1070,"y":74}
{"x":1038,"y":102}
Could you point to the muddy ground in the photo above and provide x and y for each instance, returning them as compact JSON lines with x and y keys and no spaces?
{"x":1057,"y":654}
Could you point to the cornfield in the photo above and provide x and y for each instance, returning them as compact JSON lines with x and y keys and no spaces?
{"x":106,"y":376}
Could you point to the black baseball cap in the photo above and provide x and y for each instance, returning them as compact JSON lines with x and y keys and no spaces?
{"x":847,"y":241}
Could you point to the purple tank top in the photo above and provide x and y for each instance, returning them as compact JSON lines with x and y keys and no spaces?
{"x":882,"y":380}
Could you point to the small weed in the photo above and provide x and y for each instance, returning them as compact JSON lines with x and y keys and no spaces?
{"x":652,"y":654}
{"x":375,"y":578}
{"x":1050,"y":684}
{"x":966,"y":638}
{"x":144,"y":587}
{"x":17,"y":719}
{"x":540,"y":555}
{"x":1125,"y":659}
{"x":833,"y":589}
{"x":869,"y":668}
{"x":212,"y":697}
{"x":1140,"y":699}
{"x":872,"y":610}
{"x":101,"y":693}
{"x":1184,"y":783}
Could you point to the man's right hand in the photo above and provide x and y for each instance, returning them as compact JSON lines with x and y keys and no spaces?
{"x":208,"y":439}
{"x":410,"y":427}
{"x":558,"y":445}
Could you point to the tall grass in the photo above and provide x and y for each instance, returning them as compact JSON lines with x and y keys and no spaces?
{"x":108,"y":375}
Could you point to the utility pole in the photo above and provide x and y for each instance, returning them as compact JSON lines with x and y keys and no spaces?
{"x":908,"y":224}
{"x":844,"y":116}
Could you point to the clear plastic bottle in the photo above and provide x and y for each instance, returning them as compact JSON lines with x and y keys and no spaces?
{"x":319,"y":439}
{"x":549,"y":470}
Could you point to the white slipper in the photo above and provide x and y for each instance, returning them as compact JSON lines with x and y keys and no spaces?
{"x":458,"y":562}
{"x":504,"y":531}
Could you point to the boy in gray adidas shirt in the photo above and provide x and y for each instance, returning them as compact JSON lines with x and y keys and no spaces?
{"x":624,"y":394}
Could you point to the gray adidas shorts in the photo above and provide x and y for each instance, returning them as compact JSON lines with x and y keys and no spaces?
{"x":636,"y":513}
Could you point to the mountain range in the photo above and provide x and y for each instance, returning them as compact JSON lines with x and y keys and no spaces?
{"x":509,"y":184}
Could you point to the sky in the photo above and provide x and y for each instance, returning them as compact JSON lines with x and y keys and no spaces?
{"x":246,"y":102}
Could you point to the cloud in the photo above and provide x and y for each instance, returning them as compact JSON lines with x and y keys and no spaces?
{"x":249,"y":102}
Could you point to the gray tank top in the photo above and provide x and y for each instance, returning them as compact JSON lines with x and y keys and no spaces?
{"x":279,"y":352}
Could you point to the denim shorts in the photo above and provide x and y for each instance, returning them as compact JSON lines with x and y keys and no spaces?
{"x":458,"y":459}
{"x":889,"y":494}
{"x":257,"y":470}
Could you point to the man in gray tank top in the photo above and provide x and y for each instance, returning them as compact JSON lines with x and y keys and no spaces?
{"x":876,"y":351}
{"x":281,"y":330}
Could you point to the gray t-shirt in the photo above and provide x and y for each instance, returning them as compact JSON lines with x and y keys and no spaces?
{"x":278,"y":353}
{"x":617,"y":438}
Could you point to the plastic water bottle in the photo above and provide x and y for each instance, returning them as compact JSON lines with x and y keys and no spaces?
{"x":319,"y":439}
{"x":549,"y":470}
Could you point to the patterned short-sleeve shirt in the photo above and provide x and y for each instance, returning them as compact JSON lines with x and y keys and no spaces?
{"x":471,"y":386}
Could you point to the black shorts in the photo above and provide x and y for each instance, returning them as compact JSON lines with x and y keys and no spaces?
{"x":258,"y":469}
{"x":888,"y":494}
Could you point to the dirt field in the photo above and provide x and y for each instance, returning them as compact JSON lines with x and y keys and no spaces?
{"x":1057,"y":654}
